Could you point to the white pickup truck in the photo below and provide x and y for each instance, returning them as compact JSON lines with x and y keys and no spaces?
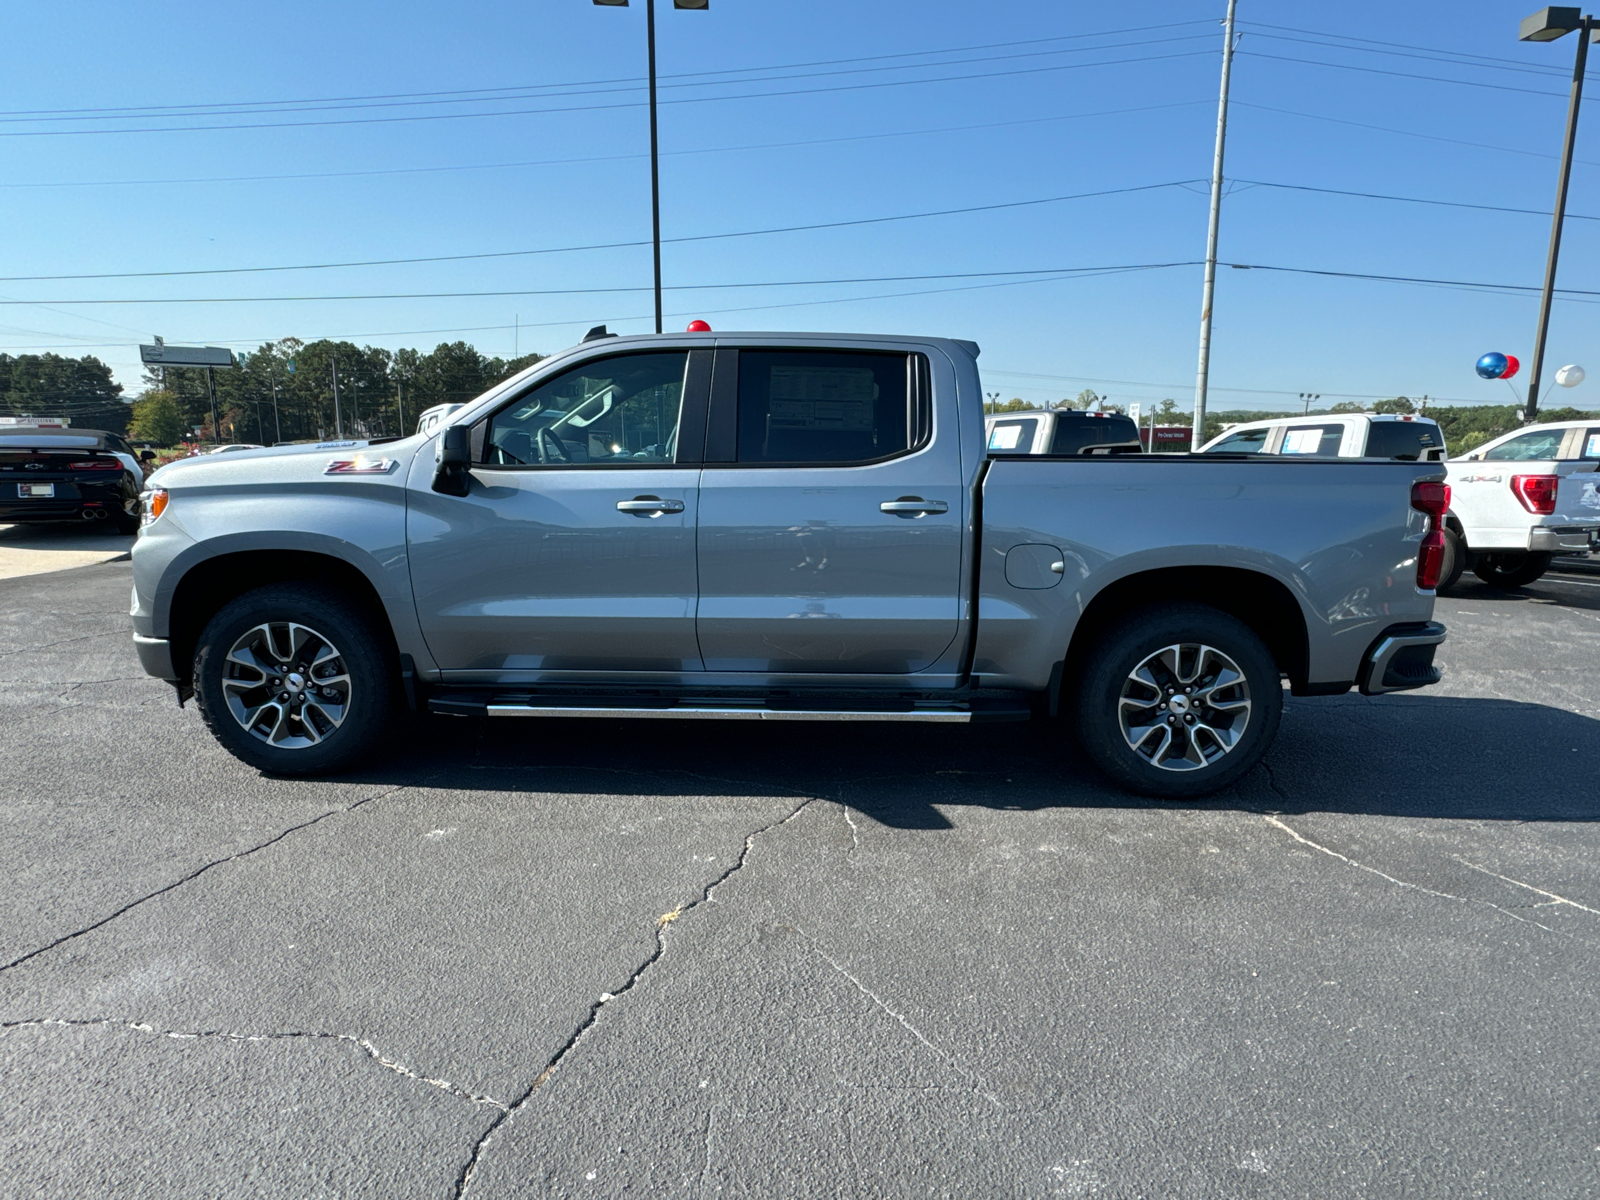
{"x":1520,"y":499}
{"x":1345,"y":435}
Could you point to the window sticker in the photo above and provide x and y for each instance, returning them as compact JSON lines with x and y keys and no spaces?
{"x":1005,"y":437}
{"x":841,"y":398}
{"x":1302,"y":441}
{"x":1592,"y":448}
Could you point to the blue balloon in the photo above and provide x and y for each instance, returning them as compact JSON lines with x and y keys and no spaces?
{"x":1492,"y":365}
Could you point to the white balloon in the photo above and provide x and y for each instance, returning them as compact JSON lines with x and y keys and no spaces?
{"x":1570,"y":375}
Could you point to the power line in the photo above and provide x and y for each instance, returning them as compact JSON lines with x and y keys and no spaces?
{"x":1443,"y":57}
{"x":1301,"y":187}
{"x":596,"y":291}
{"x":704,"y":237}
{"x":172,"y":180}
{"x":1430,"y":137}
{"x":594,"y":89}
{"x":1477,"y":83}
{"x":853,"y":87}
{"x":163,"y":109}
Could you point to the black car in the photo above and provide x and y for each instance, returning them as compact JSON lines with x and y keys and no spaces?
{"x":67,"y":475}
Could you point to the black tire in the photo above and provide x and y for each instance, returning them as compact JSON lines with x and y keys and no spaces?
{"x":316,"y":727}
{"x":1455,"y":560}
{"x":1107,"y":679}
{"x":125,"y":522}
{"x":1511,"y":569}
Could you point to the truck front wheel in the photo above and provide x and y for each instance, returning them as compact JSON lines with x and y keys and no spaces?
{"x":1178,"y":700}
{"x":292,"y":680}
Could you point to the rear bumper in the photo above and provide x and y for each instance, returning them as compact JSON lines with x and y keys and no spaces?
{"x":1402,"y":659}
{"x":1563,"y":539}
{"x":155,"y":656}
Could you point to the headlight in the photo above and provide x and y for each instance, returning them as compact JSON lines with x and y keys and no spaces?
{"x":155,"y":503}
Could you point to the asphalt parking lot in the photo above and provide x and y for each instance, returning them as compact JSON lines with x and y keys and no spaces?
{"x":657,"y":958}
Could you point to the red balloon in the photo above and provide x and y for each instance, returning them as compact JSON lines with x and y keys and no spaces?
{"x":1512,"y":367}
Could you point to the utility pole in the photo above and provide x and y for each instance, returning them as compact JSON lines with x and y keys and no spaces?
{"x":1530,"y":409}
{"x":400,"y":404}
{"x":1202,"y":378}
{"x":211,"y":390}
{"x":277,"y":418}
{"x":338,"y":421}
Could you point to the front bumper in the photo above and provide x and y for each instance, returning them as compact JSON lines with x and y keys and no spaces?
{"x":155,"y":656}
{"x":1564,"y":539}
{"x":1402,"y":659}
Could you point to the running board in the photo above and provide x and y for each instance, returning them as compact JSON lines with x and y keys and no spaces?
{"x":710,"y":710}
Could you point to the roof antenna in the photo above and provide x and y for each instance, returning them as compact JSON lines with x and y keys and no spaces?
{"x":598,"y":332}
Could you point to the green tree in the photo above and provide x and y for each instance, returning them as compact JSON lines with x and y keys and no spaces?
{"x":1348,"y":406}
{"x":1016,"y":404}
{"x":1400,"y":404}
{"x":158,"y":419}
{"x":48,"y":385}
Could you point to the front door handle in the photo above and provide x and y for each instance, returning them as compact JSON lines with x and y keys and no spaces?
{"x":913,"y":506}
{"x":649,"y":506}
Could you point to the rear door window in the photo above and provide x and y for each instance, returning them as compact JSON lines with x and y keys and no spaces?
{"x":1312,"y":439}
{"x":1589,"y":445}
{"x":1405,"y":440}
{"x":1528,"y":447}
{"x":1015,"y":437}
{"x":811,"y":406}
{"x":1245,"y":441}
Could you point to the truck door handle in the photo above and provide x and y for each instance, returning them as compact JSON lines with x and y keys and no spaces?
{"x":649,"y":506}
{"x":913,"y":506}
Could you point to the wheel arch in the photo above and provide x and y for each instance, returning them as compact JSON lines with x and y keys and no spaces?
{"x":1263,"y":603}
{"x":210,"y":583}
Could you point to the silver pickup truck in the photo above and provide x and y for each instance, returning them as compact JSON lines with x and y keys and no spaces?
{"x":778,"y":527}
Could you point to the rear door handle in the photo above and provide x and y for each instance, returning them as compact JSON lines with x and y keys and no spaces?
{"x":649,"y":506}
{"x":912,"y":506}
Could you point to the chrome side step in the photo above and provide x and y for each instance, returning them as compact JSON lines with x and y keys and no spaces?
{"x":721,"y":712}
{"x":463,"y":702}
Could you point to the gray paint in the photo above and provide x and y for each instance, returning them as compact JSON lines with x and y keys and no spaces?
{"x":772,"y":577}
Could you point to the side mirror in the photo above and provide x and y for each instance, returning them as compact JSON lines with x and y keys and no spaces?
{"x":147,"y":456}
{"x":452,"y":459}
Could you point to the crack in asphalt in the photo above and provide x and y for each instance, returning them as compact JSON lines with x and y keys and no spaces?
{"x":878,"y":1000}
{"x":1551,"y":901}
{"x":1350,"y":862}
{"x":193,"y":875}
{"x":63,"y":642}
{"x":365,"y":1046}
{"x":662,"y":923}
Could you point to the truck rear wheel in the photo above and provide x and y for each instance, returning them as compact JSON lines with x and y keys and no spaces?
{"x":1455,"y":560}
{"x":292,"y":680}
{"x":1178,"y":700}
{"x":1511,"y":569}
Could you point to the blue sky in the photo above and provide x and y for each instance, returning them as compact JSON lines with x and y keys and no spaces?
{"x":1011,"y":102}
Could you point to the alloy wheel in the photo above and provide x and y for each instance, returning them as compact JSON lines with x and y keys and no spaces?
{"x":286,"y":684}
{"x":1184,"y":707}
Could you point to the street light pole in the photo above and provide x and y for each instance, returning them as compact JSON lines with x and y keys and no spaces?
{"x":1547,"y":25}
{"x":655,"y":154}
{"x":655,"y":157}
{"x":1197,"y":434}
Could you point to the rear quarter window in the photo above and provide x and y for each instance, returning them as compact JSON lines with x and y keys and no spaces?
{"x":1075,"y":433}
{"x":1404,"y":440}
{"x":1015,"y":437}
{"x":1312,"y":439}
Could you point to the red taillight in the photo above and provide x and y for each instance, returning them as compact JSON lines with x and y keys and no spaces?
{"x":1537,"y":492}
{"x":1433,"y":498}
{"x":97,"y":464}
